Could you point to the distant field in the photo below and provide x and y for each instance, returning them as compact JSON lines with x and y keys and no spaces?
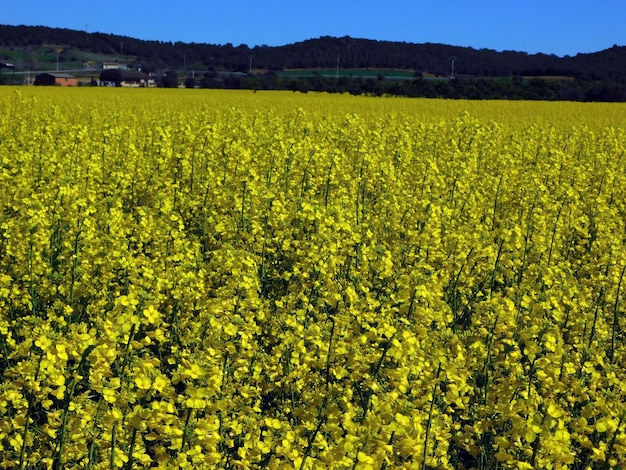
{"x":364,"y":73}
{"x":551,"y":77}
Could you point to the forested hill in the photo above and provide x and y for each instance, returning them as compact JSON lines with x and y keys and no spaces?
{"x":324,"y":52}
{"x":436,"y":59}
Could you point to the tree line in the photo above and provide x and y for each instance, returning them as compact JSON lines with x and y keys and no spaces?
{"x":596,"y":76}
{"x":325,"y":51}
{"x":516,"y":88}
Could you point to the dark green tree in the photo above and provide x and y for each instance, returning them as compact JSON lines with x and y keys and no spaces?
{"x":169,"y":79}
{"x":112,"y":75}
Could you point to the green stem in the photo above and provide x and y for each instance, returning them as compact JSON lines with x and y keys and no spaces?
{"x":131,"y":445}
{"x":31,"y":399}
{"x":329,"y":353}
{"x":554,"y":230}
{"x":25,"y":432}
{"x":127,"y":351}
{"x":186,"y":429}
{"x":243,"y":204}
{"x":31,"y":288}
{"x":92,"y":445}
{"x":112,"y":460}
{"x":64,"y":427}
{"x":320,"y":421}
{"x":430,"y":416}
{"x":615,"y":316}
{"x":68,"y":399}
{"x":263,"y":269}
{"x":73,"y":272}
{"x":495,"y":204}
{"x":366,"y":403}
{"x":495,"y":268}
{"x":599,"y":306}
{"x":609,"y":451}
{"x":488,"y":362}
{"x":327,"y":187}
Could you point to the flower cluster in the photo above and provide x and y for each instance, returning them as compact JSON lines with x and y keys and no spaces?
{"x":207,"y":279}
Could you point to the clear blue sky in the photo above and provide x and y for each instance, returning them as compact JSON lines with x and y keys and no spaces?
{"x":551,"y":26}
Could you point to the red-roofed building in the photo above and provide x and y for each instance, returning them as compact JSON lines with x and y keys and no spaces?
{"x":61,"y":79}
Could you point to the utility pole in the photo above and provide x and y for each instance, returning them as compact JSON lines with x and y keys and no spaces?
{"x":337,"y":74}
{"x":452,"y":59}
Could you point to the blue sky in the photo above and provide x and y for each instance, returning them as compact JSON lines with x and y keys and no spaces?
{"x":554,"y":27}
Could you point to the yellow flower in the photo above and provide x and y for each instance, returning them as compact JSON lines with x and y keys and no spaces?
{"x":160,"y":383}
{"x":230,"y":329}
{"x":273,"y":423}
{"x":524,"y":466}
{"x":58,"y":380}
{"x":151,"y":314}
{"x":43,"y":342}
{"x":143,"y":382}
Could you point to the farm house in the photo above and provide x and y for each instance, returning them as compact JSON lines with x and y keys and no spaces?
{"x":62,"y":79}
{"x":136,"y":80}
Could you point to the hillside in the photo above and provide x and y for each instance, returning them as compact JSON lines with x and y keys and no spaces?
{"x":41,"y":48}
{"x":322,"y":52}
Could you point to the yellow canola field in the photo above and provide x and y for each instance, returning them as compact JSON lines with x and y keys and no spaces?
{"x":214,"y":279}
